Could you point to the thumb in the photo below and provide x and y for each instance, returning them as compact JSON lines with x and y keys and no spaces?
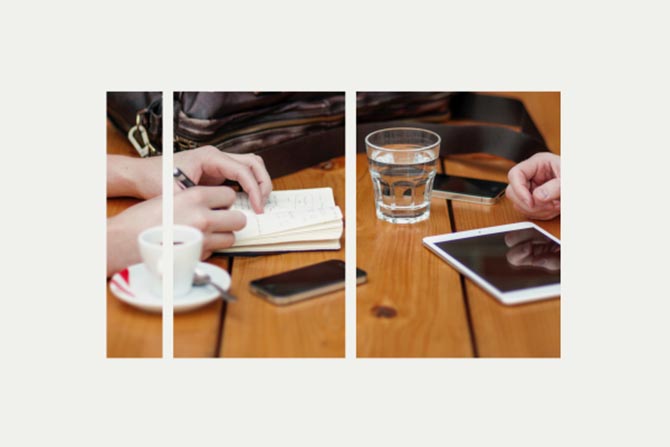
{"x":550,"y":190}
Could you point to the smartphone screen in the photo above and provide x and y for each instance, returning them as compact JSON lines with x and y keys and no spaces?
{"x":325,"y":276}
{"x":468,"y":186}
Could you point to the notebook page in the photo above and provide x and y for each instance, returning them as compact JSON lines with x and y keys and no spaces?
{"x":332,"y":230}
{"x":288,"y":200}
{"x":277,"y":222}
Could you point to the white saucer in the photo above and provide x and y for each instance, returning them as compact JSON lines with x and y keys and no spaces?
{"x":131,"y":286}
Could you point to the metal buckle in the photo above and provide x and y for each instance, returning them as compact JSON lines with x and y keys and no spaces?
{"x":145,"y":148}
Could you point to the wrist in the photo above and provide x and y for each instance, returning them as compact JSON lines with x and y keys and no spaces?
{"x":122,"y":177}
{"x":144,"y":177}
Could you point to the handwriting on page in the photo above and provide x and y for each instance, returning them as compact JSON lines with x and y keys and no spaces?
{"x":298,"y":199}
{"x":264,"y":224}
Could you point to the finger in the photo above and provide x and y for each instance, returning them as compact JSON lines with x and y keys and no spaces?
{"x":539,"y":213}
{"x":545,"y":214}
{"x":519,"y":204}
{"x":542,"y":211}
{"x":548,"y":211}
{"x":218,"y":241}
{"x":257,"y":166}
{"x":228,"y":167}
{"x":224,"y":221}
{"x":210,"y":196}
{"x":534,"y":172}
{"x":549,"y":191}
{"x":519,"y":183}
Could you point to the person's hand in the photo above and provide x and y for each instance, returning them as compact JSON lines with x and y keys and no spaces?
{"x":141,"y":177}
{"x":535,"y":186}
{"x":201,"y":207}
{"x":209,"y":166}
{"x":197,"y":207}
{"x":122,"y":232}
{"x":527,"y":248}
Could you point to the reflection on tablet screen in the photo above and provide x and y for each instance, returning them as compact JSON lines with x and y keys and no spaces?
{"x":511,"y":260}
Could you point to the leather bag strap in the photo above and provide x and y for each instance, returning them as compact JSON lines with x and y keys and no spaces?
{"x":477,"y":138}
{"x":303,"y":152}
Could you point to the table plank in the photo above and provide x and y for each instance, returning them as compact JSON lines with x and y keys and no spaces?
{"x":254,"y":327}
{"x":130,"y":332}
{"x":412,"y":305}
{"x":529,"y":330}
{"x":197,"y":333}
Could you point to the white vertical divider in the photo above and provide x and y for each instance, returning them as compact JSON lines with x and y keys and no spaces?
{"x":350,"y":224}
{"x":168,"y":221}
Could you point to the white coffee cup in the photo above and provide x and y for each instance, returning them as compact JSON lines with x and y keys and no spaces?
{"x":186,"y":248}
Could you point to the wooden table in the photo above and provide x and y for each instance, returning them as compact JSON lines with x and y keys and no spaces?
{"x":416,"y":305}
{"x":253,"y":327}
{"x":250,"y":327}
{"x":130,"y":333}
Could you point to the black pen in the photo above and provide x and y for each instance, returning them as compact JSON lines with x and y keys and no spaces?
{"x":182,"y":179}
{"x":185,"y":182}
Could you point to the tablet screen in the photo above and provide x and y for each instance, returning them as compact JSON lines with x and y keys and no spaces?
{"x":510,"y":260}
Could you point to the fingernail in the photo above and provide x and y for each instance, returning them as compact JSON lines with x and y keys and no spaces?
{"x":543,"y":193}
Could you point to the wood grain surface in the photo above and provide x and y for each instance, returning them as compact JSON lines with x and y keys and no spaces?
{"x":402,"y":311}
{"x":251,"y":327}
{"x":130,"y":332}
{"x":476,"y":322}
{"x":254,"y":327}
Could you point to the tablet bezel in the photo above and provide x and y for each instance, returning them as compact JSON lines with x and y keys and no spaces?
{"x":511,"y":297}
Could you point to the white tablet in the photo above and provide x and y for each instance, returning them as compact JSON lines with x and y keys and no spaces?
{"x":515,"y":263}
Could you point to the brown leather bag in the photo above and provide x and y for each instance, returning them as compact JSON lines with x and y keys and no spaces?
{"x":139,"y":116}
{"x":293,"y":131}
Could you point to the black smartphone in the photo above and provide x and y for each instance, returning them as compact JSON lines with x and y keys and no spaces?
{"x":467,"y":189}
{"x":303,"y":283}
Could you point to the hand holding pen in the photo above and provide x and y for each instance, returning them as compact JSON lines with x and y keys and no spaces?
{"x":208,"y":166}
{"x":208,"y":208}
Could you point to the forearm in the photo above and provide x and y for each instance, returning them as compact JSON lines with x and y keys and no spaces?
{"x":122,"y":176}
{"x":122,"y":248}
{"x":123,"y":229}
{"x":133,"y":177}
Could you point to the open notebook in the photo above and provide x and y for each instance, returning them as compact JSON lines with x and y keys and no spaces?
{"x":294,"y":220}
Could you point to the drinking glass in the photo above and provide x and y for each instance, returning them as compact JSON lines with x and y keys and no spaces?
{"x":403,"y":163}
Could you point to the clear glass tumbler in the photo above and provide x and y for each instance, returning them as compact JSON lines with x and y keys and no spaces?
{"x":403,"y":163}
